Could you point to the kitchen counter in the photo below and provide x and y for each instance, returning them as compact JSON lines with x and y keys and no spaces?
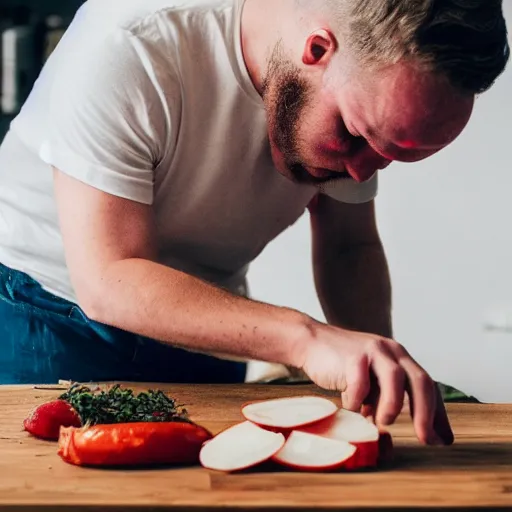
{"x":476,"y":472}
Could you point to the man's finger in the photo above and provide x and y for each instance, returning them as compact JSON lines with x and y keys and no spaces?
{"x":442,"y":425}
{"x":422,"y":392}
{"x":369,"y":407}
{"x":358,"y":385}
{"x":368,"y":411}
{"x":391,"y":377}
{"x":423,"y":401}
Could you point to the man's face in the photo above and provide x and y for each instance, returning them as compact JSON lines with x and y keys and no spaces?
{"x":326,"y":126}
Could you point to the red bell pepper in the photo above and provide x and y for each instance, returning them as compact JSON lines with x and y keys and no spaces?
{"x":133,"y":444}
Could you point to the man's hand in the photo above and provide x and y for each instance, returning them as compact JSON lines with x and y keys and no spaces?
{"x":353,"y":284}
{"x":369,"y":369}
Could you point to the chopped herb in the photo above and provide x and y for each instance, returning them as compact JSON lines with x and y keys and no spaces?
{"x":117,"y":405}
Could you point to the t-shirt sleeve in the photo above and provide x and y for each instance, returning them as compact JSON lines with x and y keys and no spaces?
{"x":107,"y":122}
{"x":349,"y":191}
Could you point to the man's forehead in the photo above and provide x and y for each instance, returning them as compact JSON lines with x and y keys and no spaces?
{"x":419,"y":119}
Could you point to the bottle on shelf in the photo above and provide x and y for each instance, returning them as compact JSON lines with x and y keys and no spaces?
{"x":21,"y":41}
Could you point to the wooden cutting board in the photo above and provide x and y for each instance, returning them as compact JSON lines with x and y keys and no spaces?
{"x":474,"y":473}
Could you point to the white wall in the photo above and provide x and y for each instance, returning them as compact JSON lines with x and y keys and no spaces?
{"x":446,"y":223}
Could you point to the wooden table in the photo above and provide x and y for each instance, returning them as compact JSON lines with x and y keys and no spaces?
{"x":476,"y":472}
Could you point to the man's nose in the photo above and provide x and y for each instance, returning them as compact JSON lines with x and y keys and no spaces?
{"x":360,"y":174}
{"x":385,"y":164}
{"x":365,"y":164}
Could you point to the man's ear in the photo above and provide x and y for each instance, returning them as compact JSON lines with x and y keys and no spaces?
{"x":319,"y":48}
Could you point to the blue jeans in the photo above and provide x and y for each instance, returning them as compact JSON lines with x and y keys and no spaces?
{"x":44,"y":338}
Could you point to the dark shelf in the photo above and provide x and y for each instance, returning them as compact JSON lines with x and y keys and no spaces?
{"x":4,"y":125}
{"x":45,"y":7}
{"x":38,"y":10}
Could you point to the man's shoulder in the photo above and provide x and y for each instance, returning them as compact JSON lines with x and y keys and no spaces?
{"x":130,"y":15}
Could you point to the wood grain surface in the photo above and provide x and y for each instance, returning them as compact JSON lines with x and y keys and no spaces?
{"x":476,"y":472}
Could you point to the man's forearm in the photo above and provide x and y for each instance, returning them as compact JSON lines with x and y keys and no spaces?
{"x":173,"y":307}
{"x":354,"y":288}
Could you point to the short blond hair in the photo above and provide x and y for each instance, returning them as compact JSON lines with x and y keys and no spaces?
{"x":464,"y":40}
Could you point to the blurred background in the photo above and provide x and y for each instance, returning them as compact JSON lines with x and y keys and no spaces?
{"x":445,"y":224}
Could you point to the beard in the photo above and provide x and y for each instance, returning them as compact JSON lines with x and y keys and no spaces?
{"x":287,"y":95}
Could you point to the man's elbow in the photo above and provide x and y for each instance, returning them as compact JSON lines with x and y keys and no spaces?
{"x":92,"y":298}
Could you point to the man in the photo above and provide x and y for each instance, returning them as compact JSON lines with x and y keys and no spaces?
{"x":165,"y":144}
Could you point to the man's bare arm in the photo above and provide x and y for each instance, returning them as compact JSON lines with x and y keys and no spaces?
{"x":111,"y":251}
{"x":350,"y":267}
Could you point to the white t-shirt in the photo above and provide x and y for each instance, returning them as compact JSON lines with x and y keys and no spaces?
{"x":150,"y":100}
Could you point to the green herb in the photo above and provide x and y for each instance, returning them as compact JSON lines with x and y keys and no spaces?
{"x":117,"y":405}
{"x":451,"y":394}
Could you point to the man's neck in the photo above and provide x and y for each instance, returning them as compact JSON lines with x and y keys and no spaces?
{"x":263,"y":22}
